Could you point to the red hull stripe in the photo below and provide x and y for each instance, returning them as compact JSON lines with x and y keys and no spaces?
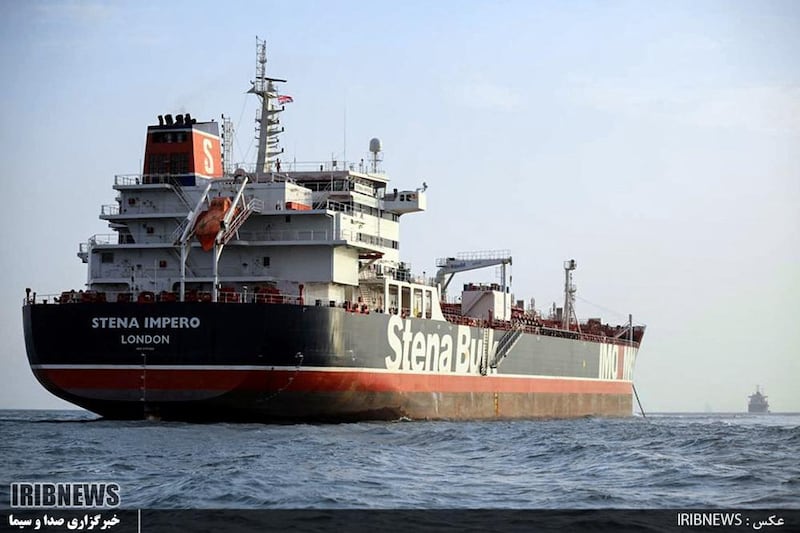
{"x":318,"y":381}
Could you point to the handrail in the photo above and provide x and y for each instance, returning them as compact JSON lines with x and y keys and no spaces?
{"x":165,"y":209}
{"x":285,"y":235}
{"x":503,"y":325}
{"x":362,"y":167}
{"x":269,"y":236}
{"x":98,"y":239}
{"x":255,"y":296}
{"x":104,"y":238}
{"x":146,"y":179}
{"x":112,"y":297}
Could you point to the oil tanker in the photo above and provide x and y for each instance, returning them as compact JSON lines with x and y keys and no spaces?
{"x":275,"y":292}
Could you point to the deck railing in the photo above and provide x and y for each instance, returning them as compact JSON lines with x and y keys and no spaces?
{"x":144,"y":297}
{"x":256,"y":296}
{"x":363,"y":167}
{"x":533,"y":329}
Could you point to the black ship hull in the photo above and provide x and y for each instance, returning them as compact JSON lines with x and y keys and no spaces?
{"x":278,"y":362}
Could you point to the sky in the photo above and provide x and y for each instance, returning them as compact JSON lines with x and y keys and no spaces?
{"x":656,"y":143}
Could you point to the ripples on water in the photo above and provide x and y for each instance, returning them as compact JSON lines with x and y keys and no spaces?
{"x":665,"y":461}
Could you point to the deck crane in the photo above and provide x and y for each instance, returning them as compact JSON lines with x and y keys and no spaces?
{"x":471,"y":261}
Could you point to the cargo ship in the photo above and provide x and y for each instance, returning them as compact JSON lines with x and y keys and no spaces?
{"x":757,"y":402}
{"x":275,"y":292}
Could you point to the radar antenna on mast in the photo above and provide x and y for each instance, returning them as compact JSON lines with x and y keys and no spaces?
{"x":375,"y":147}
{"x":267,"y":123}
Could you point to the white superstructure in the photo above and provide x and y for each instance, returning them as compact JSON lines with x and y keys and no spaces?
{"x":325,"y":234}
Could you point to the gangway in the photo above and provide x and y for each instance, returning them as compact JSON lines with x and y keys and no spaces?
{"x":506,"y":343}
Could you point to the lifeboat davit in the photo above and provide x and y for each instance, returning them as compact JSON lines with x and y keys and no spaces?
{"x":209,"y":222}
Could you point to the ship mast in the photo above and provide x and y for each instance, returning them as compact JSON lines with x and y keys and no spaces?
{"x":267,"y":123}
{"x":569,"y":294}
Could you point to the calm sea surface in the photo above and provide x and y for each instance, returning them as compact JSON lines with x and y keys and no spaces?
{"x":664,"y":461}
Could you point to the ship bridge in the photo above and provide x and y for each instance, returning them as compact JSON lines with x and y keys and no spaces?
{"x":194,"y":222}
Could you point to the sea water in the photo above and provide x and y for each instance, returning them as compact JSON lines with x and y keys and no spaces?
{"x":663,"y":461}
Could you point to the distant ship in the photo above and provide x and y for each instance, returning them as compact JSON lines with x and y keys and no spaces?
{"x":309,"y":314}
{"x":758,"y":403}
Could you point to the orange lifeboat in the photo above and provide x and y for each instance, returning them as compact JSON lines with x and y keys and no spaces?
{"x":209,"y":222}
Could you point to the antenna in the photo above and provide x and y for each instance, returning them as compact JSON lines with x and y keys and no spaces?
{"x":267,"y":123}
{"x":344,"y":136}
{"x":375,"y":147}
{"x":569,"y":294}
{"x":227,"y":146}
